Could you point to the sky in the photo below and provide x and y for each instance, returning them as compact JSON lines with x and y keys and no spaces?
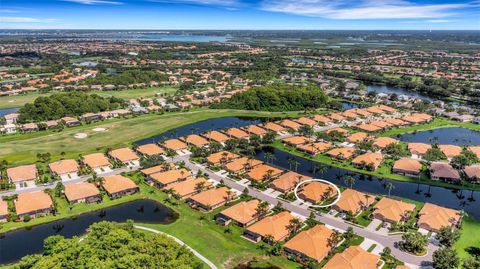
{"x":241,"y":14}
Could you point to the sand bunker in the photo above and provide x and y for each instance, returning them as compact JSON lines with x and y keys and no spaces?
{"x":99,"y":129}
{"x":80,"y":135}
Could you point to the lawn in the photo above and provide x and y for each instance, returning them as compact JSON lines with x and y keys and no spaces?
{"x":434,"y":124}
{"x":469,"y":242}
{"x":23,"y":148}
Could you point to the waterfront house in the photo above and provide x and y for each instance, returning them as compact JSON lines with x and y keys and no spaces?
{"x":221,"y":157}
{"x":290,"y":124}
{"x":126,"y":156}
{"x":174,"y":144}
{"x":353,"y":201}
{"x":274,"y":127}
{"x":3,"y":211}
{"x":195,"y":140}
{"x":165,"y":178}
{"x":407,"y":167}
{"x":242,"y":214}
{"x":296,"y":140}
{"x":34,"y":204}
{"x":342,"y":153}
{"x":23,"y":176}
{"x":353,"y":257}
{"x":288,"y":181}
{"x":241,"y":165}
{"x":383,"y":142}
{"x":11,"y":118}
{"x":369,"y":160}
{"x":450,"y":150}
{"x":310,"y":244}
{"x":254,"y":129}
{"x":395,"y":122}
{"x":82,"y":192}
{"x":98,"y":162}
{"x":65,"y":169}
{"x":216,"y":136}
{"x":433,"y":217}
{"x":418,"y":149}
{"x":263,"y":172}
{"x":117,"y":186}
{"x":236,"y":133}
{"x":70,"y":122}
{"x":315,"y":192}
{"x":475,"y":149}
{"x":392,"y":211}
{"x":315,"y":148}
{"x":187,"y":188}
{"x":149,"y":150}
{"x":211,"y":199}
{"x":444,"y":171}
{"x":275,"y":226}
{"x":472,"y":173}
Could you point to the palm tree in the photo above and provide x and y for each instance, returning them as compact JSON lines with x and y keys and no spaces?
{"x":389,"y":186}
{"x":349,"y":180}
{"x":290,"y":162}
{"x":334,"y":239}
{"x":200,"y":186}
{"x":268,"y":156}
{"x":296,"y":164}
{"x":294,"y":225}
{"x":262,"y":209}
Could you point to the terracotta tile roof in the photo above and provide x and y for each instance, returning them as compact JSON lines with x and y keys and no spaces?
{"x":339,"y":130}
{"x":368,"y":127}
{"x":124,"y":154}
{"x":336,"y":116}
{"x":357,"y":137}
{"x":322,"y":119}
{"x":237,"y":133}
{"x":276,"y":226}
{"x":216,"y":136}
{"x":187,"y":187}
{"x":392,"y":210}
{"x":95,"y":160}
{"x":353,"y":257}
{"x":434,"y":217}
{"x":375,"y":110}
{"x":313,"y":243}
{"x":402,"y":267}
{"x":315,"y":148}
{"x":443,"y":170}
{"x":157,"y":168}
{"x":3,"y":208}
{"x":306,"y":121}
{"x":369,"y":158}
{"x":243,"y":212}
{"x":32,"y":201}
{"x":419,"y":148}
{"x":117,"y":183}
{"x":450,"y":150}
{"x":408,"y":165}
{"x":240,"y":164}
{"x":353,"y":201}
{"x":383,"y":142}
{"x":476,"y":150}
{"x":314,"y":191}
{"x":274,"y":127}
{"x":362,"y":112}
{"x":472,"y":171}
{"x":254,"y":129}
{"x":350,"y":114}
{"x":150,"y":149}
{"x":417,"y":118}
{"x":22,"y":173}
{"x":396,"y":122}
{"x":171,"y":176}
{"x":342,"y":153}
{"x":213,"y":197}
{"x":196,"y":140}
{"x":260,"y":172}
{"x":290,"y":124}
{"x":174,"y":144}
{"x":222,"y":157}
{"x":296,"y":140}
{"x":64,"y":167}
{"x":387,"y":108}
{"x":381,"y":124}
{"x":288,"y":181}
{"x":80,"y":190}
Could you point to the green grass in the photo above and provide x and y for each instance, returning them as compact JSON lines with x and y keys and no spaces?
{"x":469,"y":241}
{"x":23,"y":148}
{"x":436,"y":123}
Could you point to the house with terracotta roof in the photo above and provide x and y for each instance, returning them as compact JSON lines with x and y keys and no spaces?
{"x":443,"y":171}
{"x":392,"y":211}
{"x":383,"y":142}
{"x":342,"y":153}
{"x":241,"y":165}
{"x":386,"y":108}
{"x":195,"y":140}
{"x":316,"y":192}
{"x":341,"y":131}
{"x":369,"y":160}
{"x":353,"y":257}
{"x":23,"y":176}
{"x":336,"y":117}
{"x":117,"y":186}
{"x":263,"y":172}
{"x":357,"y":137}
{"x":368,"y":127}
{"x":418,"y":149}
{"x":3,"y":211}
{"x":417,"y":118}
{"x":242,"y":214}
{"x":187,"y":188}
{"x":126,"y":156}
{"x":315,"y":148}
{"x":216,"y":136}
{"x":65,"y":169}
{"x":156,"y":169}
{"x":221,"y":157}
{"x":374,"y":110}
{"x":433,"y":217}
{"x":254,"y":129}
{"x":350,"y":114}
{"x":149,"y":150}
{"x":310,"y":244}
{"x":407,"y":167}
{"x":98,"y":162}
{"x":353,"y":201}
{"x":274,"y":127}
{"x":322,"y":120}
{"x":290,"y":124}
{"x":70,"y":122}
{"x":34,"y":204}
{"x":29,"y":127}
{"x":82,"y":192}
{"x":450,"y":150}
{"x":472,"y":173}
{"x":395,"y":122}
{"x":276,"y":226}
{"x":174,"y":144}
{"x":211,"y":199}
{"x":165,"y":178}
{"x":237,"y":133}
{"x":287,"y":182}
{"x":305,"y":121}
{"x":296,"y":140}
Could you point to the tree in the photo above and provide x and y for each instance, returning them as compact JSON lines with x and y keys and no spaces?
{"x":262,"y":209}
{"x":59,"y":189}
{"x":471,"y":263}
{"x":334,"y":239}
{"x":269,"y":137}
{"x":447,"y":236}
{"x":389,"y":186}
{"x":293,"y":226}
{"x":434,"y":154}
{"x":349,"y":180}
{"x":414,"y":242}
{"x":445,"y":258}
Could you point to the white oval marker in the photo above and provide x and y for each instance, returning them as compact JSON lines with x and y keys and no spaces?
{"x":318,"y":180}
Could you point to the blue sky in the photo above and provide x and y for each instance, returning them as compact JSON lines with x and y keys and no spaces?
{"x":241,"y":14}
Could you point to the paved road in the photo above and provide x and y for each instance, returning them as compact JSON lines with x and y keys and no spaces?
{"x":180,"y":242}
{"x":384,"y":240}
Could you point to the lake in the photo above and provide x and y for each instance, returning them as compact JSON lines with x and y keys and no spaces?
{"x":398,"y":91}
{"x":450,"y":135}
{"x":6,"y":111}
{"x":16,"y":244}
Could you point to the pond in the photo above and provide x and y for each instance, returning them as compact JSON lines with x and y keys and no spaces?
{"x":449,"y":135}
{"x":398,"y":91}
{"x":16,"y":244}
{"x":6,"y":111}
{"x":467,"y":200}
{"x":201,"y":127}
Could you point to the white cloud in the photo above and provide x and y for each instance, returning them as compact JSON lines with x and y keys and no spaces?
{"x":364,"y":9}
{"x":8,"y":11}
{"x":439,"y":21}
{"x":95,"y":2}
{"x":201,"y":2}
{"x":25,"y":20}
